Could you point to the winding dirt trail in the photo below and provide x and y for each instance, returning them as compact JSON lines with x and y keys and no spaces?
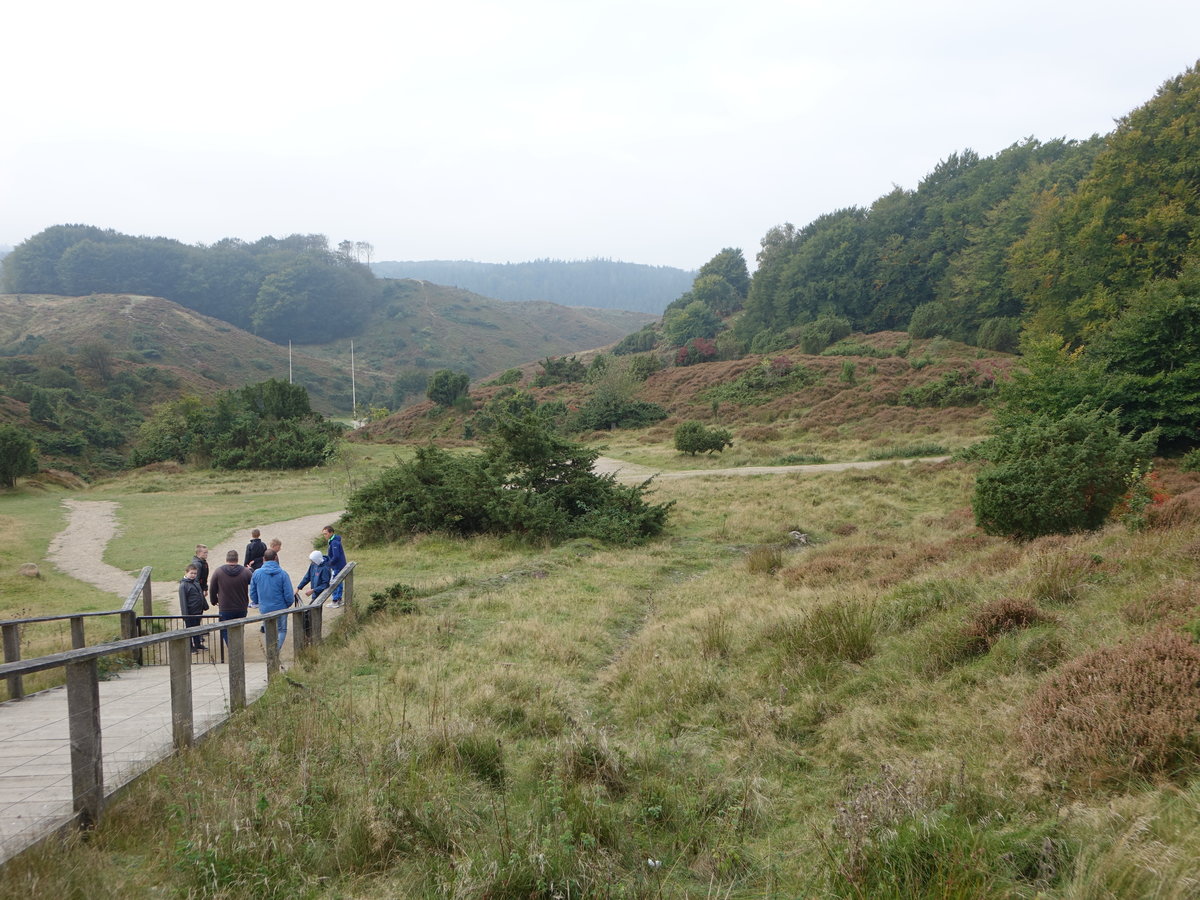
{"x":78,"y":550}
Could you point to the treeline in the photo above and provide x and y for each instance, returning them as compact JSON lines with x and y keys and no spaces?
{"x":1057,"y":236}
{"x":282,"y":289}
{"x":598,"y":283}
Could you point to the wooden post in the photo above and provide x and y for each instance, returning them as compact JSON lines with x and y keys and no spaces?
{"x":128,"y":624}
{"x":12,"y":653}
{"x":271,"y":646}
{"x":78,"y":640}
{"x":83,"y":712}
{"x":316,"y":624}
{"x":147,"y":599}
{"x":348,"y":589}
{"x":180,"y":653}
{"x":296,"y":626}
{"x":237,"y":667}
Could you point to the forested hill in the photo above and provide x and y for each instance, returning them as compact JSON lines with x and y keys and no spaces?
{"x":599,"y":283}
{"x":1058,"y":238}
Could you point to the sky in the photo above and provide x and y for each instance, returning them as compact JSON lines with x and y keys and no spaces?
{"x":649,"y":131}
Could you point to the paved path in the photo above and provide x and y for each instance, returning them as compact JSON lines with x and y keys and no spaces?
{"x":135,"y":718}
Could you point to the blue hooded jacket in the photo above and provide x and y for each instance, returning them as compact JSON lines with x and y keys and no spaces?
{"x":271,"y":587}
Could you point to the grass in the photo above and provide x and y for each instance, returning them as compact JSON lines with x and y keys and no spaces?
{"x":555,"y":720}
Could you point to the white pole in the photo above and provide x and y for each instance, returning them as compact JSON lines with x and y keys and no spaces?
{"x":289,"y":362}
{"x":353,"y":394}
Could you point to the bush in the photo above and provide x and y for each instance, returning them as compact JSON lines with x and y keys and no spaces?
{"x":1129,"y":709}
{"x":694,"y":437}
{"x":1051,"y":475}
{"x":955,"y":388}
{"x":527,"y":482}
{"x":446,"y":387}
{"x":819,"y":334}
{"x":604,"y":413}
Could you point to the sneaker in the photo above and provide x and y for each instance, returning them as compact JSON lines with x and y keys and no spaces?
{"x":336,"y":604}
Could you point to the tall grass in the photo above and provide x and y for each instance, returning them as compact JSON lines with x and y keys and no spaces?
{"x":663,"y":721}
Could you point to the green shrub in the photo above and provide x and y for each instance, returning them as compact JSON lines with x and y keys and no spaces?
{"x":16,"y":455}
{"x":694,"y":437}
{"x":819,"y":334}
{"x":955,"y":388}
{"x":399,"y":598}
{"x":1052,"y":475}
{"x":528,"y":482}
{"x":1190,"y":461}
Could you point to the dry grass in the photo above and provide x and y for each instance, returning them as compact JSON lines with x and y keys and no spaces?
{"x":554,"y":718}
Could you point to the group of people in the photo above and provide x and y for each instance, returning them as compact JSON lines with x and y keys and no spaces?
{"x":260,"y":584}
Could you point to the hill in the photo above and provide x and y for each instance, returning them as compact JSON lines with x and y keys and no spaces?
{"x":874,"y":395}
{"x":82,"y":373}
{"x":425,"y":326}
{"x":599,"y":283}
{"x":201,"y":353}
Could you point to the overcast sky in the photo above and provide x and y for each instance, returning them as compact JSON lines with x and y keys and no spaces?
{"x":650,"y":131}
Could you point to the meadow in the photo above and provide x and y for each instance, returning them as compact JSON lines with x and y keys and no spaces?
{"x":722,"y":712}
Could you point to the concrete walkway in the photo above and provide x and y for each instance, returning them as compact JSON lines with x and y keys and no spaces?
{"x":135,"y":719}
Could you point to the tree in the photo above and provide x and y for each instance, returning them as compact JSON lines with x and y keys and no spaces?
{"x":730,"y":266}
{"x":447,"y":386}
{"x":16,"y":455}
{"x":1047,"y":474}
{"x":695,"y":320}
{"x":694,"y":437}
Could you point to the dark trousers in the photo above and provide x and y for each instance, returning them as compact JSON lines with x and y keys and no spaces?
{"x":198,"y":639}
{"x":225,"y":615}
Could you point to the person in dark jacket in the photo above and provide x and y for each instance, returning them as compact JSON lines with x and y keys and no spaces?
{"x":271,"y":589}
{"x":337,"y":559}
{"x":255,"y":550}
{"x":192,"y":604}
{"x":318,"y":575}
{"x":229,"y":590}
{"x":200,"y":561}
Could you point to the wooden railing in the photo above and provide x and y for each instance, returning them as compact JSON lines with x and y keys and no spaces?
{"x":83,"y":678}
{"x":11,"y":628}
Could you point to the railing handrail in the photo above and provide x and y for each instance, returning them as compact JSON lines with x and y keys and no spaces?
{"x":83,"y":654}
{"x":138,"y":588}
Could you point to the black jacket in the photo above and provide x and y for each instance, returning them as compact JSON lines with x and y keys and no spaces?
{"x":191,"y":598}
{"x":254,"y":553}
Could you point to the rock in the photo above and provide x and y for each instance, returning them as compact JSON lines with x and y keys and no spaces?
{"x":30,"y":570}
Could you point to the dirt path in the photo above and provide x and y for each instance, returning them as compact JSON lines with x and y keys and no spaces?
{"x":78,"y":550}
{"x":628,"y":472}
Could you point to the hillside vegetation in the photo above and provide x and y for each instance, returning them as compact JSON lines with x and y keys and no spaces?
{"x":81,"y":374}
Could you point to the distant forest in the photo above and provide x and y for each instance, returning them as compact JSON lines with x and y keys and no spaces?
{"x":598,"y":283}
{"x":293,"y":288}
